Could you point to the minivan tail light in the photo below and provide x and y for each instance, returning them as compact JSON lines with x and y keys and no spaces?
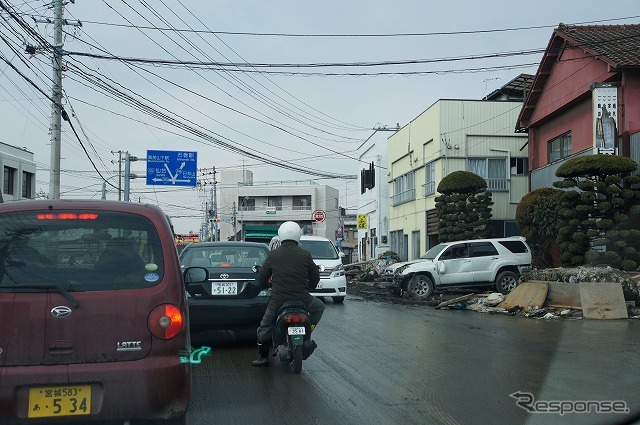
{"x":165,"y":321}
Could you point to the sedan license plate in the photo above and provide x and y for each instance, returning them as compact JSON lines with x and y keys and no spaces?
{"x":224,"y":288}
{"x":296,"y":330}
{"x":59,"y":401}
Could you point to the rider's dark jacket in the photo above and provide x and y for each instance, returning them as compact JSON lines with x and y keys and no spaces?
{"x":294,"y":274}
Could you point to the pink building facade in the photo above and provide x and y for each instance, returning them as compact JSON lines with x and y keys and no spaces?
{"x":585,"y":98}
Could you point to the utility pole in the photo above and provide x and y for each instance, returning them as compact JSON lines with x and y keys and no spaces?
{"x":56,"y":96}
{"x":211,"y":206}
{"x":119,"y":152}
{"x":214,"y":195}
{"x":234,"y":222}
{"x":128,"y":176}
{"x":56,"y":106}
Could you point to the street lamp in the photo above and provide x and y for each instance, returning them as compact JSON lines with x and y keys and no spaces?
{"x":242,"y":206}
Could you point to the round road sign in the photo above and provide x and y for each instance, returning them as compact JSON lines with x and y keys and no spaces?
{"x":319,"y":215}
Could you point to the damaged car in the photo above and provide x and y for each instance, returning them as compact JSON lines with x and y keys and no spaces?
{"x":473,"y":263}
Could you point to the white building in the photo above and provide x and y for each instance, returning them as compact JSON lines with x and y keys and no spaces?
{"x":373,"y":200}
{"x":457,"y":135}
{"x":254,"y":211}
{"x":19,"y":173}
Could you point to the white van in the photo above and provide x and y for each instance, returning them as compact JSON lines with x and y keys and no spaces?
{"x":333,"y":282}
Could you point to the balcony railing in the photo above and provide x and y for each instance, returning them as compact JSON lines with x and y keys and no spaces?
{"x":498,"y":185}
{"x":402,"y":197}
{"x":277,"y":208}
{"x":428,"y":188}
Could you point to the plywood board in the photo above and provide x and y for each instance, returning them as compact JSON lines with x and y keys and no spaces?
{"x":563,"y":294}
{"x":527,"y":294}
{"x":602,"y":300}
{"x":455,"y":300}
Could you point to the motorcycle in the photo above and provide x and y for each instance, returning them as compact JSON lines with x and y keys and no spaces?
{"x":291,"y":334}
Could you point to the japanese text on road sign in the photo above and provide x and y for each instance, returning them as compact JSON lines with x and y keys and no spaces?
{"x":171,"y":168}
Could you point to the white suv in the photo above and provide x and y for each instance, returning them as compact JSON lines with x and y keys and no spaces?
{"x":333,"y":281}
{"x":478,"y":262}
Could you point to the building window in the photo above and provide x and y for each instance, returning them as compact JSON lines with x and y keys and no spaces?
{"x":9,"y":180}
{"x":404,"y":188}
{"x":493,"y":170}
{"x":27,"y":184}
{"x":430,"y":179}
{"x":399,"y":244}
{"x":634,"y":147}
{"x":415,"y":244}
{"x":301,"y":203}
{"x":560,"y":147}
{"x":519,"y":166}
{"x":246,"y":204}
{"x":275,"y":201}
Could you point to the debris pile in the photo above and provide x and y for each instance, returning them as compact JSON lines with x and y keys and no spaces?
{"x":371,"y":270}
{"x":551,"y":294}
{"x":608,"y":294}
{"x":630,"y":281}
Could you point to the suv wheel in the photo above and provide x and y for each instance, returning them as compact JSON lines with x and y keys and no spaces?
{"x":420,"y":287}
{"x":506,"y":282}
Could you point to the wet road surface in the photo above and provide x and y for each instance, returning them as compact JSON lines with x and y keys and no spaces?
{"x":381,"y":363}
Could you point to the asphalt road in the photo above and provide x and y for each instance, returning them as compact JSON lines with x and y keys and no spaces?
{"x":381,"y":363}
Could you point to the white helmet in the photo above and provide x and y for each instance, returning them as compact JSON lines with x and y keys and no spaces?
{"x":289,"y":230}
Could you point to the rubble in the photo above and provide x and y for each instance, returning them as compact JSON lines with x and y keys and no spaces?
{"x":630,"y":286}
{"x":488,"y":302}
{"x":371,"y":270}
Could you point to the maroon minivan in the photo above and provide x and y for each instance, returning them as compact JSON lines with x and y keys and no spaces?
{"x":93,"y":320}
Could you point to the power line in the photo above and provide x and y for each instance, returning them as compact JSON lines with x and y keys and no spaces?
{"x":383,"y":35}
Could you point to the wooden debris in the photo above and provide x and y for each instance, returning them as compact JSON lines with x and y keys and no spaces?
{"x":526,"y":295}
{"x":602,"y":300}
{"x":454,"y":300}
{"x":564,"y":295}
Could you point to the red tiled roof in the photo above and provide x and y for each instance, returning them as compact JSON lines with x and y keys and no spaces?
{"x":620,"y":44}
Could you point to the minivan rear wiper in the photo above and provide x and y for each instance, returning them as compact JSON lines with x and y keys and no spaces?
{"x":58,"y":287}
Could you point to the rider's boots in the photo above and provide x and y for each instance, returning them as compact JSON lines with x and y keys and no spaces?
{"x":263,"y":356}
{"x":307,"y":348}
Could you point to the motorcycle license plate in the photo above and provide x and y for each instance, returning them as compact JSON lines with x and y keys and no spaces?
{"x":59,"y":401}
{"x":224,"y":288}
{"x":296,"y":330}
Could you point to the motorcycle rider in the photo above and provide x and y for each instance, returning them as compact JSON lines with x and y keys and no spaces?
{"x":293,"y":274}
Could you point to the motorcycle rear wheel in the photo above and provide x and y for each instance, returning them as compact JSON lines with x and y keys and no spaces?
{"x":296,"y":363}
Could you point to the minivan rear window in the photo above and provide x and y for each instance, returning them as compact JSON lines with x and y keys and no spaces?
{"x":78,"y":250}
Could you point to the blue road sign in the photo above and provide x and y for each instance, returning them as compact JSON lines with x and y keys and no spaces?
{"x":172,"y":168}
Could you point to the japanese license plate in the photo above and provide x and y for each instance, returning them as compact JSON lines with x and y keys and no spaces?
{"x":224,"y":288}
{"x":296,"y":330}
{"x":70,"y":400}
{"x":319,"y":285}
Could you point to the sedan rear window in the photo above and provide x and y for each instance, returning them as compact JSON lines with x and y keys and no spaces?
{"x":223,"y":256}
{"x":78,"y":250}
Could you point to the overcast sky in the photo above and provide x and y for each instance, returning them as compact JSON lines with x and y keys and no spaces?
{"x":303,"y":117}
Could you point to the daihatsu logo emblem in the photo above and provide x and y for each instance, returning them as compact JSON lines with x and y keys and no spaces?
{"x":224,"y":276}
{"x":60,"y":311}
